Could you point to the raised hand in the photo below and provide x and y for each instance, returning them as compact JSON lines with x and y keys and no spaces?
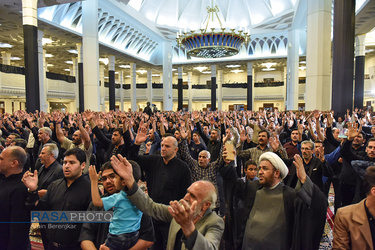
{"x":30,"y":180}
{"x":141,"y":134}
{"x":352,"y":130}
{"x":184,"y":215}
{"x":298,"y":163}
{"x":274,"y":143}
{"x":94,"y":177}
{"x":123,"y":168}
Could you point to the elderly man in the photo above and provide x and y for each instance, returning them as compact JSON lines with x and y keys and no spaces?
{"x":263,"y":213}
{"x":51,"y":169}
{"x":354,"y":224}
{"x":193,"y":224}
{"x":201,"y":169}
{"x":12,"y":196}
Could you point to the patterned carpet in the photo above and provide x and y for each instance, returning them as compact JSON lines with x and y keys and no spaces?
{"x":326,"y":242}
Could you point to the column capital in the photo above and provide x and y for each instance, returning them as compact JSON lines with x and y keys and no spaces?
{"x":360,"y":45}
{"x":111,"y":62}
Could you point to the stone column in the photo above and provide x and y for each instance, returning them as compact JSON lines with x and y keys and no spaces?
{"x":180,"y":89}
{"x":249,"y":86}
{"x":74,"y":105}
{"x":343,"y":56}
{"x":81,"y":103}
{"x":213,"y":87}
{"x":90,"y":54}
{"x":167,"y":76}
{"x":102,"y":87}
{"x":43,"y":89}
{"x":133,"y":86}
{"x":121,"y":77}
{"x":6,"y":57}
{"x":318,"y":55}
{"x":359,"y":87}
{"x":149,"y":85}
{"x":292,"y":70}
{"x":30,"y":35}
{"x":111,"y":74}
{"x":190,"y":85}
{"x":220,"y":81}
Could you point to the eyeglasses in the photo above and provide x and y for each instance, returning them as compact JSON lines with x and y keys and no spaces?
{"x":111,"y":177}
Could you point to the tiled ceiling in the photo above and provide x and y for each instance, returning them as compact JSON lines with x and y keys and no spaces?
{"x":11,"y":32}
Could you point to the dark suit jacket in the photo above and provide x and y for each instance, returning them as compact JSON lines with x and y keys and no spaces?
{"x":55,"y":171}
{"x":352,"y":229}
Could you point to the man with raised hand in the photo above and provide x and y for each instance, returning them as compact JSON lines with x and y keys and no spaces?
{"x":193,"y":225}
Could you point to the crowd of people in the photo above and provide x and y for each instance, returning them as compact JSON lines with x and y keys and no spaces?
{"x":210,"y":180}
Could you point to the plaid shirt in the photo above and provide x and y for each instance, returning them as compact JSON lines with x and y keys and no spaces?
{"x":198,"y":173}
{"x":255,"y":153}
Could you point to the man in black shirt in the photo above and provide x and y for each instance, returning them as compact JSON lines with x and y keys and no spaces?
{"x":119,"y":143}
{"x":51,"y":169}
{"x":71,"y":193}
{"x":167,"y":177}
{"x":12,"y":200}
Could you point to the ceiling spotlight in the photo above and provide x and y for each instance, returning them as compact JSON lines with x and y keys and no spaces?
{"x":156,"y":75}
{"x":125,"y":66}
{"x":236,"y":71}
{"x":233,"y":66}
{"x":106,"y":77}
{"x":127,"y":76}
{"x":46,"y":40}
{"x":69,"y":62}
{"x":5,"y":45}
{"x":268,"y":65}
{"x":73,"y":51}
{"x":104,"y":60}
{"x":142,"y":71}
{"x":50,"y":65}
{"x":269,"y":69}
{"x":15,"y":58}
{"x":206,"y":72}
{"x":302,"y":67}
{"x":48,"y":55}
{"x":200,"y":68}
{"x":67,"y":69}
{"x":302,"y":62}
{"x":174,"y":69}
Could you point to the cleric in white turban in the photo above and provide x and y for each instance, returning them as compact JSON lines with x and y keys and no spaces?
{"x":277,"y":162}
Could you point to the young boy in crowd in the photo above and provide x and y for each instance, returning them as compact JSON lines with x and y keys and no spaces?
{"x":251,"y":170}
{"x":124,"y":228}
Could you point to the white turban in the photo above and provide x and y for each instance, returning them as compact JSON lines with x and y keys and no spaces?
{"x":276,"y":161}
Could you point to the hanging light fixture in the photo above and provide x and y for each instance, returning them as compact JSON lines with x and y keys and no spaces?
{"x":216,"y":43}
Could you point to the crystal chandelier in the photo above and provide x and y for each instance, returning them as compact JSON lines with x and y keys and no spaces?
{"x":216,"y":43}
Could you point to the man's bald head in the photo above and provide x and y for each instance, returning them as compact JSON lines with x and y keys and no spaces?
{"x":204,"y":193}
{"x":169,"y":148}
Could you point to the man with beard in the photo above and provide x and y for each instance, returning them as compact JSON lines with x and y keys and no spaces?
{"x":291,"y":147}
{"x":80,"y":139}
{"x":119,"y":143}
{"x":263,"y":140}
{"x":193,"y":224}
{"x":262,"y":213}
{"x":354,"y":193}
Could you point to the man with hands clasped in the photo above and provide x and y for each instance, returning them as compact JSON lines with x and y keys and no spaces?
{"x":193,"y":224}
